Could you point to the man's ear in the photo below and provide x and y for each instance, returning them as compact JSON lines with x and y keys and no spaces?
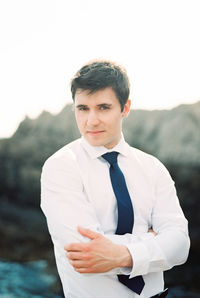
{"x":126,"y":109}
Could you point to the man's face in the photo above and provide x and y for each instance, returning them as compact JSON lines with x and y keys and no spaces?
{"x":99,"y":116}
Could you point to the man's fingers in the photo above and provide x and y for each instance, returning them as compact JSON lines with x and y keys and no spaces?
{"x":88,"y":233}
{"x":76,"y":247}
{"x":82,"y":246}
{"x":152,"y":231}
{"x":85,"y":270}
{"x":77,"y":264}
{"x":78,"y":256}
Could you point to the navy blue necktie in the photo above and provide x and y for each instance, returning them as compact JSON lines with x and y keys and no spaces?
{"x":125,"y":214}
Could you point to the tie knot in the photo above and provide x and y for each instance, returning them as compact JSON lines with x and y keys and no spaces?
{"x":111,"y":157}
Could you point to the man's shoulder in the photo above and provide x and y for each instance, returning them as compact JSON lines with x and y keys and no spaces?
{"x":144,"y":157}
{"x":148,"y":162}
{"x":66,"y":154}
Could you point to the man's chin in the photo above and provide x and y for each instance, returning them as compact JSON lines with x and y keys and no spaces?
{"x":95,"y":143}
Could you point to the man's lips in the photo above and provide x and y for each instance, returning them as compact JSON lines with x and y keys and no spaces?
{"x":95,"y":132}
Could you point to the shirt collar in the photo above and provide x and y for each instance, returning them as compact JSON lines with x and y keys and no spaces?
{"x":96,"y":151}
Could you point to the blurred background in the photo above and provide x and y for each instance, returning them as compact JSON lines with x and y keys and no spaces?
{"x":42,"y":44}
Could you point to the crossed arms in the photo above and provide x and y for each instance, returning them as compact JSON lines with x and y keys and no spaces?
{"x":99,"y":255}
{"x":89,"y":250}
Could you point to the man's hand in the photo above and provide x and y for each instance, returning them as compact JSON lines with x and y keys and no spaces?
{"x":152,"y":231}
{"x":98,"y":255}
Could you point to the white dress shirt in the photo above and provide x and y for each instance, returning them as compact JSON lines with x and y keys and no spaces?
{"x":76,"y":190}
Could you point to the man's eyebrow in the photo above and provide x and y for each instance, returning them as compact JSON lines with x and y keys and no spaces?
{"x":81,"y":106}
{"x":104,"y":105}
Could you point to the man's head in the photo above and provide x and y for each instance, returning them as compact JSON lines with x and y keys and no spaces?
{"x":100,"y":91}
{"x":99,"y":74}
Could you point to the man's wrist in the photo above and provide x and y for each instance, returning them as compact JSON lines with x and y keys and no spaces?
{"x":125,"y":259}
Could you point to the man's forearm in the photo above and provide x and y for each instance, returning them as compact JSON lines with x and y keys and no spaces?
{"x":99,"y":255}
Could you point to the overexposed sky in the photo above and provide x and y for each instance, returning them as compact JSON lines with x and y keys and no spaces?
{"x":44,"y":42}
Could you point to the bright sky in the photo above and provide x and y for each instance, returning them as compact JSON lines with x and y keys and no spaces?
{"x":44,"y":42}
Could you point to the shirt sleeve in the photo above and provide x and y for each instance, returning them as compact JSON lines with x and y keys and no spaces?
{"x":65,"y":205}
{"x":63,"y":201}
{"x":171,"y":245}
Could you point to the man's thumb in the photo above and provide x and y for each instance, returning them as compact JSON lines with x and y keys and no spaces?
{"x":88,"y":233}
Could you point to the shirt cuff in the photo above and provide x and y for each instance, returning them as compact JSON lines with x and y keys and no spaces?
{"x":140,"y":257}
{"x":125,"y":270}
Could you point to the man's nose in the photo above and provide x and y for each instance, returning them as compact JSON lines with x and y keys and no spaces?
{"x":93,"y":119}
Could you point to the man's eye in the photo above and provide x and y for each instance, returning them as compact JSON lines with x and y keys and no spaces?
{"x":104,"y":107}
{"x":83,"y":108}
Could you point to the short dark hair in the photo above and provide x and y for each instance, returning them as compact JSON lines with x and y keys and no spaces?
{"x":99,"y":74}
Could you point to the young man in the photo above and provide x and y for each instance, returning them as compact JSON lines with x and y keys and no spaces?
{"x":112,"y":210}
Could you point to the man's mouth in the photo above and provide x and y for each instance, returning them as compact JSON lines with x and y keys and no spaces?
{"x":96,"y":132}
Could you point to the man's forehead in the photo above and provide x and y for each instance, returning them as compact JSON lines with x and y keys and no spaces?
{"x":80,"y":91}
{"x":93,"y":103}
{"x":102,"y":95}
